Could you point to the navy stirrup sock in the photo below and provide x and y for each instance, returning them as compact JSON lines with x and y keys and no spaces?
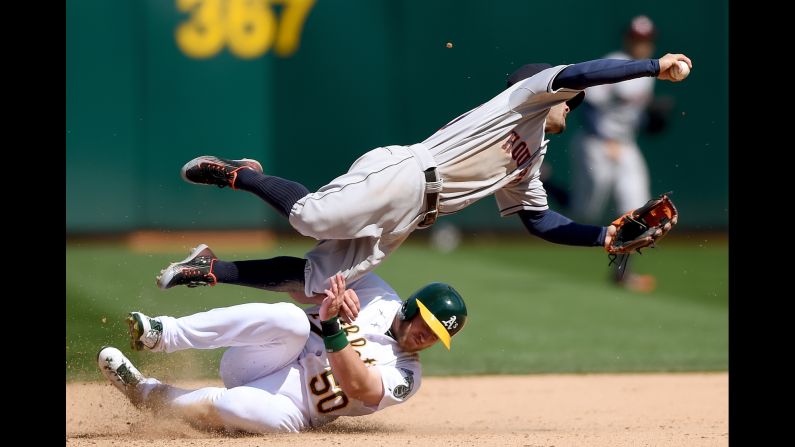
{"x":283,"y":273}
{"x":280,"y":193}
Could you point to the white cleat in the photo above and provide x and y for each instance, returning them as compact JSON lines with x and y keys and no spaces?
{"x":118,"y":369}
{"x":145,"y":332}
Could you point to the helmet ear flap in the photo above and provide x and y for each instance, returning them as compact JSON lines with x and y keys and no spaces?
{"x":409,"y":309}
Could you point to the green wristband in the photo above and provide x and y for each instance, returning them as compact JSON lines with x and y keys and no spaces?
{"x":331,"y":326}
{"x":336,"y":342}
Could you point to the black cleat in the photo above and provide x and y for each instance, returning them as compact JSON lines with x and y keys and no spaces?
{"x":195,"y":270}
{"x":209,"y":170}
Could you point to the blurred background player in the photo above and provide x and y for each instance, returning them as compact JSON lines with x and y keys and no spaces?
{"x":606,"y":159}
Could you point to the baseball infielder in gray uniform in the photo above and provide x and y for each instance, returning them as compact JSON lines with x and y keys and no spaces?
{"x":605,"y":157}
{"x":362,"y":216}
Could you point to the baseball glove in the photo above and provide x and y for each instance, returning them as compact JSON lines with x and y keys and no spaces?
{"x":642,"y":227}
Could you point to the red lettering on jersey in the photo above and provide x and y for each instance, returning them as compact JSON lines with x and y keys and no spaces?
{"x":519,"y":152}
{"x":510,"y":140}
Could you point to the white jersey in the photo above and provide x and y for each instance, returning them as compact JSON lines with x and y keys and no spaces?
{"x":400,"y":371}
{"x":616,"y":109}
{"x":275,"y":371}
{"x":498,"y":147}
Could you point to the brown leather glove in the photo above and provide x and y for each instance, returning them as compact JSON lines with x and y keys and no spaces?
{"x":643,"y":227}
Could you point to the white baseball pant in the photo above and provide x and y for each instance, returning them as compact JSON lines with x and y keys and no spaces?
{"x":262,"y":379}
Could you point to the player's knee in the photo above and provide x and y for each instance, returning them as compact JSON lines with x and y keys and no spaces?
{"x":310,"y":224}
{"x":322,"y":219}
{"x":286,"y":319}
{"x":292,"y":322}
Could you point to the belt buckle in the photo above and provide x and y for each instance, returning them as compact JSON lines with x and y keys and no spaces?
{"x":433,"y":186}
{"x":430,"y":218}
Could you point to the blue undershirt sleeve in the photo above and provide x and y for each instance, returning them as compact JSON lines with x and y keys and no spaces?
{"x":604,"y":71}
{"x":557,"y":228}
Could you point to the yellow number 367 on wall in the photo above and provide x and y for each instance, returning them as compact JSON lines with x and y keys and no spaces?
{"x":248,"y":27}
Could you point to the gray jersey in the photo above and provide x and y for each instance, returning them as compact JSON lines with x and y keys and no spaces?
{"x":497,"y":148}
{"x":364,"y":215}
{"x":615,"y":111}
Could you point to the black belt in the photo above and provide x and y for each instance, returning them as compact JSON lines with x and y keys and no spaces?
{"x":433,"y":186}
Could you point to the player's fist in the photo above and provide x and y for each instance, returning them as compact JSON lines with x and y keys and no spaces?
{"x":670,"y":70}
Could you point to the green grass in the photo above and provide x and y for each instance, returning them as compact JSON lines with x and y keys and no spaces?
{"x":533,"y":307}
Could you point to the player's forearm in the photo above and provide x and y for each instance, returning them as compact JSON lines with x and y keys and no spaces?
{"x":604,"y":71}
{"x":351,"y":374}
{"x":356,"y":380}
{"x":557,"y":228}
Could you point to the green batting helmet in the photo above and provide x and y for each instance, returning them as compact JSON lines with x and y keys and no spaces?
{"x":440,"y":306}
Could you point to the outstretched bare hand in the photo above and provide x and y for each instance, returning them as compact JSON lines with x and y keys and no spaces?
{"x":668,"y":61}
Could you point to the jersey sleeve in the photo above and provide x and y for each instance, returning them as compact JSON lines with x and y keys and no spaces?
{"x":401,"y":381}
{"x":535,"y":94}
{"x":527,"y":194}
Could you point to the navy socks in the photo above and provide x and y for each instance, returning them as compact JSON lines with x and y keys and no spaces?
{"x":280,"y":274}
{"x":280,"y":193}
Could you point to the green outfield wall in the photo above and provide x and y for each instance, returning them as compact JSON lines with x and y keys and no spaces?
{"x":307,"y":86}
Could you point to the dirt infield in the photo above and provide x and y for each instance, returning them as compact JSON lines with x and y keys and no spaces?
{"x":543,"y":410}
